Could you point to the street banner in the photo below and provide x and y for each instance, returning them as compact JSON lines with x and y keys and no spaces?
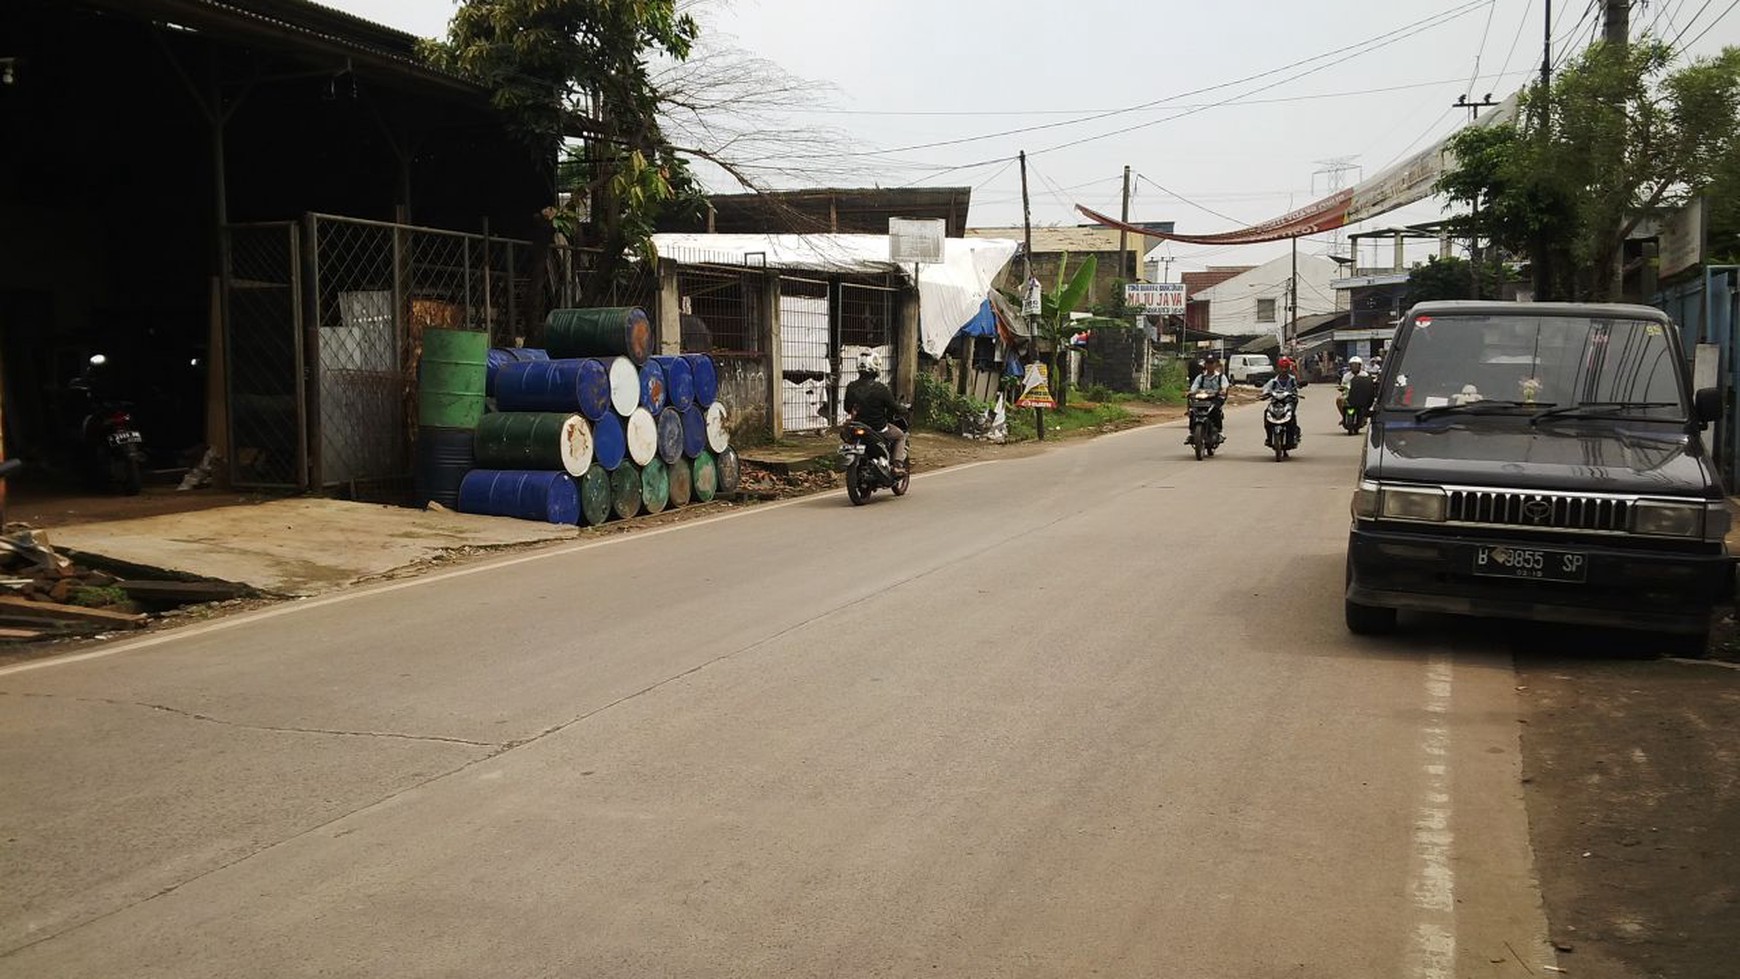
{"x":1036,"y":388}
{"x":1156,"y":298}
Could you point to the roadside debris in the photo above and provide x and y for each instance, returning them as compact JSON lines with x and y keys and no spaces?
{"x":44,"y":594}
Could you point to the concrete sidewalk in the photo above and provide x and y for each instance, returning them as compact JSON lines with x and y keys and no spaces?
{"x":296,"y":547}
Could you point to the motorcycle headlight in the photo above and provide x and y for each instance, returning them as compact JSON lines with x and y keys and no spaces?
{"x":1659,"y":518}
{"x":1417,"y":503}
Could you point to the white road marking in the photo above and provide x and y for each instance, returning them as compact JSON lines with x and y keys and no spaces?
{"x":1432,"y":882}
{"x":294,"y":606}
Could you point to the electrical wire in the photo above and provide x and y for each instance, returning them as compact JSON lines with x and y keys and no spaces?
{"x":1700,"y":36}
{"x":1480,"y":51}
{"x":1522,"y":27}
{"x":1359,"y":48}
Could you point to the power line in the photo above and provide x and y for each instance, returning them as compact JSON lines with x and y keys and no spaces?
{"x":1480,"y":51}
{"x":1362,"y":47}
{"x":1200,"y":207}
{"x":1719,"y":18}
{"x":1522,"y":26}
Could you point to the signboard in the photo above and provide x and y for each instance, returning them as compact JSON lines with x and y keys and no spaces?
{"x":1682,"y":239}
{"x":1159,"y":298}
{"x":915,"y":240}
{"x":1036,"y":388}
{"x":1032,"y":299}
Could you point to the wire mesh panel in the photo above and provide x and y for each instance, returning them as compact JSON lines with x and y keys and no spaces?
{"x":807,"y":398}
{"x":866,"y":325}
{"x":262,"y":316}
{"x":720,"y":310}
{"x":362,"y":271}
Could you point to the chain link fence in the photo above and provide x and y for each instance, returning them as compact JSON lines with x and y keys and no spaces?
{"x":721,"y":310}
{"x":263,"y":357}
{"x":808,"y":356}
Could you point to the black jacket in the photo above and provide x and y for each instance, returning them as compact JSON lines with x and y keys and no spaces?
{"x":870,"y":401}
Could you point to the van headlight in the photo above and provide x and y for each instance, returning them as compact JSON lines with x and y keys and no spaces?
{"x":1658,"y":518}
{"x":1423,"y":504}
{"x":1365,"y":501}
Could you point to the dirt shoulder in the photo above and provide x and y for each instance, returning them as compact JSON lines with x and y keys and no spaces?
{"x":1632,"y":776}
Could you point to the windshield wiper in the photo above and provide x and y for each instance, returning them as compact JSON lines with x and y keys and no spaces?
{"x":1589,"y":409}
{"x":1476,"y":407}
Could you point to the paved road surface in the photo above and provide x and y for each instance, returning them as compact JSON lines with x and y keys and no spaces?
{"x":1087,"y":713}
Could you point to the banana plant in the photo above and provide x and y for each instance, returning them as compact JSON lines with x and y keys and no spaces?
{"x":1055,"y":306}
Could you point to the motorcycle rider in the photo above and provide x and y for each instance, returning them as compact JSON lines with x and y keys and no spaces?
{"x":869,"y":401}
{"x":1213,"y":380}
{"x":1356,"y":382}
{"x":1284,"y":382}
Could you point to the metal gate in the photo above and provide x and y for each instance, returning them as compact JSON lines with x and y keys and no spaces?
{"x":262,"y":357}
{"x":1707,"y":310}
{"x":809,"y":358}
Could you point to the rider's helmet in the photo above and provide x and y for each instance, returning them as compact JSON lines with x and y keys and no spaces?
{"x":1355,"y":362}
{"x":869,"y":363}
{"x":1284,"y":365}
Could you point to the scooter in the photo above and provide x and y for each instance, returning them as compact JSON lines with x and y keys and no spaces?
{"x":1357,"y":397}
{"x":869,"y":464}
{"x":111,"y":448}
{"x":1204,"y":436}
{"x":1279,"y":423}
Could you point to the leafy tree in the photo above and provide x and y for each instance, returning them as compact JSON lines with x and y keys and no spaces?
{"x":1055,"y":322}
{"x":1448,"y":278}
{"x":1629,"y":135}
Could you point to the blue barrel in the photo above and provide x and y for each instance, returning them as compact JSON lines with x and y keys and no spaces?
{"x":694,"y":431}
{"x":501,"y":356}
{"x":671,"y":435}
{"x":679,"y":382}
{"x":594,"y":389}
{"x":609,"y":442}
{"x":652,"y":387}
{"x":539,"y":385}
{"x":705,"y":377}
{"x":546,"y":496}
{"x":443,"y":458}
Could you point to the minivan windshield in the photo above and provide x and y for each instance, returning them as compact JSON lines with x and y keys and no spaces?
{"x":1557,"y":366}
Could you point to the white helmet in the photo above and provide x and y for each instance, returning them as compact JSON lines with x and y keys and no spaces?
{"x":869,"y":363}
{"x":1354,"y":360}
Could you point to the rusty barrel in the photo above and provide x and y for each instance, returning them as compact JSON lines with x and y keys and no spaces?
{"x":546,"y":496}
{"x":613,"y":331}
{"x":534,"y":440}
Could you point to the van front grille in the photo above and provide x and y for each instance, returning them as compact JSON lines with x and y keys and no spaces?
{"x":1540,"y":511}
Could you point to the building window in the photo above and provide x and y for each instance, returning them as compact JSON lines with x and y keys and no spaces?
{"x":1265,"y":311}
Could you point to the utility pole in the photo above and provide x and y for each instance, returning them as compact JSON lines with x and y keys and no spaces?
{"x":1027,"y":279}
{"x":1543,"y":278}
{"x":1290,"y":330}
{"x":1124,"y":236}
{"x":1616,"y":22}
{"x":1474,"y":257}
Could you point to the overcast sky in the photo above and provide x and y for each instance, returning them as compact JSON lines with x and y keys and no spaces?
{"x":1367,"y":81}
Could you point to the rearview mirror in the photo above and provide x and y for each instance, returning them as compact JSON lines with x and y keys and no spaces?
{"x":1707,"y":402}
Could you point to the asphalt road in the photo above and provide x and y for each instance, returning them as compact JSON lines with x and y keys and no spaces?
{"x":1087,"y":713}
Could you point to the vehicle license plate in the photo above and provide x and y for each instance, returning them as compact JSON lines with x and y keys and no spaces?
{"x":125,"y":438}
{"x":1504,"y":561}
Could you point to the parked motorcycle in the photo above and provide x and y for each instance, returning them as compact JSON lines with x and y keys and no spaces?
{"x":1204,"y":436}
{"x":111,"y":448}
{"x":1279,"y":423}
{"x":869,"y":465}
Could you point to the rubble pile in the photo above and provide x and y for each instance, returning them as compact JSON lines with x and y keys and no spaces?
{"x":762,"y":483}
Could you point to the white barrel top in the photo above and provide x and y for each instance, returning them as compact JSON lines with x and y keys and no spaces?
{"x":576,"y":445}
{"x":624,"y":385}
{"x":643,"y":435}
{"x":718,"y":436}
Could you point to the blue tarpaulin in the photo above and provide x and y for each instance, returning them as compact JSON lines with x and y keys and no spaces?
{"x":982,"y":325}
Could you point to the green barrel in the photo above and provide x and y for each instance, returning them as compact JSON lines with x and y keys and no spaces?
{"x":706,"y":477}
{"x":614,"y":331}
{"x":534,"y":440}
{"x":453,"y":373}
{"x":595,"y":496}
{"x":682,"y":478}
{"x":625,"y":491}
{"x":655,"y":486}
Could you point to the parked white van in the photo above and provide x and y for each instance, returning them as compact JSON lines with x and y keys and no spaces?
{"x":1250,"y":368}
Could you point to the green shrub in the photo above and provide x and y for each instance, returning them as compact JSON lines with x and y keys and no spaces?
{"x":938,"y":407}
{"x":1168,"y":382}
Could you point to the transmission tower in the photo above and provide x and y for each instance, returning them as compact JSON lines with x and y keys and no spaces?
{"x":1334,"y":172}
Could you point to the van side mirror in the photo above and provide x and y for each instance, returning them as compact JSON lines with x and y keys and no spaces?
{"x":1708,"y":404}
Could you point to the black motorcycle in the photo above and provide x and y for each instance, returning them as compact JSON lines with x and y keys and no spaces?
{"x":1280,"y":423}
{"x":111,"y":449}
{"x":869,"y":466}
{"x":1357,"y":397}
{"x":1204,"y":435}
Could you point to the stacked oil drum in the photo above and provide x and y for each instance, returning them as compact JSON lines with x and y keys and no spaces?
{"x":452,"y":385}
{"x":594,"y":427}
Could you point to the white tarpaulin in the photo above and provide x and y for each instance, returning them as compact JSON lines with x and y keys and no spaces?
{"x":949,"y":293}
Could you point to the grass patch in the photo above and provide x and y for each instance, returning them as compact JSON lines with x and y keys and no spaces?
{"x":1074,"y":418}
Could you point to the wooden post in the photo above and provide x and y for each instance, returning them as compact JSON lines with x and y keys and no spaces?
{"x":906,"y":345}
{"x":770,"y":343}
